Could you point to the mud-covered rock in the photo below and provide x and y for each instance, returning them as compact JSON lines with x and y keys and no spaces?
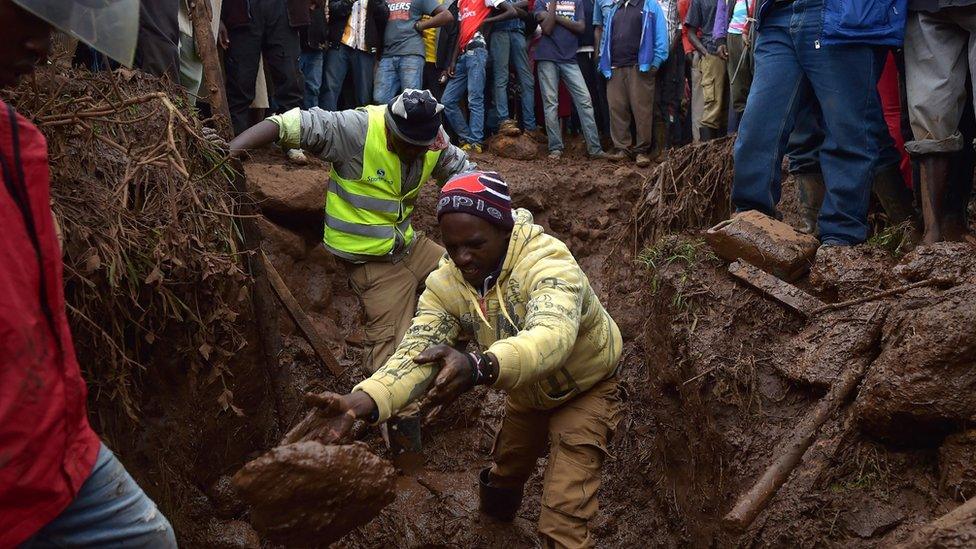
{"x":765,"y":242}
{"x":288,"y":198}
{"x":518,"y":147}
{"x":831,"y":342}
{"x":230,"y":534}
{"x":941,"y":260}
{"x":923,"y":384}
{"x":629,"y":177}
{"x":850,"y":272}
{"x":279,"y":241}
{"x":955,"y":529}
{"x":874,"y":519}
{"x":226,"y":503}
{"x":308,"y":493}
{"x":957,"y":465}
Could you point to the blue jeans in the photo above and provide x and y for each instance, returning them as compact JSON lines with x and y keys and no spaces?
{"x":803,"y":149}
{"x":397,"y":73}
{"x":508,"y":47}
{"x":338,"y":61}
{"x":792,"y":70}
{"x":550,"y":73}
{"x":310,"y":63}
{"x":469,"y":75}
{"x":110,"y":510}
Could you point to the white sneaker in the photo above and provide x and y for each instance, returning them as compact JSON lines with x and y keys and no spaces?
{"x":297,"y":156}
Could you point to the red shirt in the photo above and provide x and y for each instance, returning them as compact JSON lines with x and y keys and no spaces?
{"x":47,"y":448}
{"x":471,"y":14}
{"x":683,"y":6}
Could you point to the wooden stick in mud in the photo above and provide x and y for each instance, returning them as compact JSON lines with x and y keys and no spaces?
{"x":886,"y":293}
{"x":751,"y":503}
{"x":300,"y":318}
{"x":783,"y":292}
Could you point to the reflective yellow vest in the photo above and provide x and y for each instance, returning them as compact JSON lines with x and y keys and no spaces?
{"x":369,"y":215}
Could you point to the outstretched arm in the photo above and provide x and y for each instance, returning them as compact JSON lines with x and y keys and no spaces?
{"x":257,"y":136}
{"x":438,"y":18}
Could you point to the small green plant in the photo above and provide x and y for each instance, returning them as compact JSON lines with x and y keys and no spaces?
{"x":674,"y":251}
{"x":894,"y":239}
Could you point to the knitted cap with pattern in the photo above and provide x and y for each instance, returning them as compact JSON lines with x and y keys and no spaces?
{"x":415,"y":117}
{"x":482,"y":194}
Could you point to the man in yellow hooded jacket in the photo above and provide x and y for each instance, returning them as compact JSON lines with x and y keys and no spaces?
{"x":542,"y":336}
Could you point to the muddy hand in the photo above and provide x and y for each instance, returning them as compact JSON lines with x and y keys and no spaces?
{"x":214,"y":138}
{"x":330,"y":420}
{"x":454,"y":378}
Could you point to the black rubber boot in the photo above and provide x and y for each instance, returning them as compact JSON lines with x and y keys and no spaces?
{"x":934,"y":175}
{"x":706,"y":134}
{"x":895,"y":197}
{"x":810,"y":194}
{"x":498,"y":503}
{"x":406,"y":443}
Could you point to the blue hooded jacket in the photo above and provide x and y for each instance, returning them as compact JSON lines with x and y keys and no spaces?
{"x":857,"y":22}
{"x":654,"y":45}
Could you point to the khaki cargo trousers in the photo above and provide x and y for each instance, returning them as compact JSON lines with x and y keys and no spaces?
{"x":577,"y":435}
{"x":389,"y":292}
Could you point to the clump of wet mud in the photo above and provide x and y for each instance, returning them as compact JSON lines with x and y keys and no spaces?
{"x":923,"y":384}
{"x":310,"y":494}
{"x":831,"y":343}
{"x":956,"y":529}
{"x":957,"y":466}
{"x":764,"y":242}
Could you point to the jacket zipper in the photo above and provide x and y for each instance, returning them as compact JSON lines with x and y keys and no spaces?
{"x":21,"y":198}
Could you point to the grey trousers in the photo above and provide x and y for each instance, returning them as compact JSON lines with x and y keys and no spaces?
{"x":939,"y":47}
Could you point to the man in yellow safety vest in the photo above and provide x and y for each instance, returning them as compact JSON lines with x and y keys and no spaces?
{"x":380,"y":157}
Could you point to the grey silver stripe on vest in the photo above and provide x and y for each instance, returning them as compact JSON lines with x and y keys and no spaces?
{"x":371,"y":231}
{"x":364,"y":202}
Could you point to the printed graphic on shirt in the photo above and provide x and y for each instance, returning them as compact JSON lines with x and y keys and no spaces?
{"x":399,"y":11}
{"x":471,"y":14}
{"x":566,"y":8}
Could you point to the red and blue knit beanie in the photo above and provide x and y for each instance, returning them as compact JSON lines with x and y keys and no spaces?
{"x":482,"y":194}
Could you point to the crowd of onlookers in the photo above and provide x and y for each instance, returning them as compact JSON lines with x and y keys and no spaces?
{"x":857,"y":95}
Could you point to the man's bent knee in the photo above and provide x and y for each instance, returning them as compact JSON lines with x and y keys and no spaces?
{"x":569,"y":491}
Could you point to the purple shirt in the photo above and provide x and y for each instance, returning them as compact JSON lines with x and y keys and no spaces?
{"x":561,"y":45}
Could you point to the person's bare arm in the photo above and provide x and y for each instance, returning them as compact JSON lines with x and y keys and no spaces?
{"x":259,"y":135}
{"x":696,"y":41}
{"x":521,"y":8}
{"x":506,"y":11}
{"x":438,"y":18}
{"x":547,"y":18}
{"x":455,"y":50}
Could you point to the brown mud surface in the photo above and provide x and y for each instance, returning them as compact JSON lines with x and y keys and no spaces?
{"x":717,"y":376}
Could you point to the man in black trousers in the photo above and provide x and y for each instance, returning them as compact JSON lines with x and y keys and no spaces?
{"x":269,"y":28}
